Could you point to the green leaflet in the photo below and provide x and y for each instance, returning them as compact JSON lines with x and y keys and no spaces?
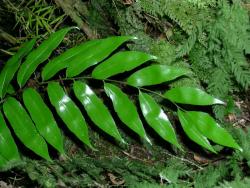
{"x":43,"y":119}
{"x":96,"y":110}
{"x":12,"y":66}
{"x":157,"y":119}
{"x":209,"y":128}
{"x":126,"y":110}
{"x":156,"y":74}
{"x":39,"y":55}
{"x":8,"y":148}
{"x":121,"y":62}
{"x":190,"y":95}
{"x":3,"y":162}
{"x":193,"y":133}
{"x":69,"y":112}
{"x":24,"y":128}
{"x":97,"y":53}
{"x":73,"y":55}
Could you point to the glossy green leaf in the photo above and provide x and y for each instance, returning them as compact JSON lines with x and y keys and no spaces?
{"x":210,"y":128}
{"x":193,"y":133}
{"x":157,"y":118}
{"x":8,"y":148}
{"x":73,"y":55}
{"x":190,"y":95}
{"x":156,"y":74}
{"x":97,"y":53}
{"x":24,"y":128}
{"x":43,"y":119}
{"x":12,"y":66}
{"x":126,"y":110}
{"x":69,"y":112}
{"x":39,"y":55}
{"x":96,"y":110}
{"x":121,"y":62}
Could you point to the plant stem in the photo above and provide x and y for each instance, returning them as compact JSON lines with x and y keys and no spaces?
{"x":114,"y":81}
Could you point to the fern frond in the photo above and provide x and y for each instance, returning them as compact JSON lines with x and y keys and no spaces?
{"x":243,"y":183}
{"x":33,"y":131}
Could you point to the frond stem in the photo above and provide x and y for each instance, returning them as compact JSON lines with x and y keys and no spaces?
{"x":114,"y":81}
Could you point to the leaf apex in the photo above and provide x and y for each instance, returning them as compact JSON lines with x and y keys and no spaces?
{"x":218,"y":101}
{"x":154,"y":57}
{"x":148,"y":140}
{"x":240,"y":149}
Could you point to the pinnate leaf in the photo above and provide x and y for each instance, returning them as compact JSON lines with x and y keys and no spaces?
{"x":24,"y":127}
{"x":193,"y":133}
{"x":68,"y":112}
{"x":43,"y":118}
{"x":157,"y":119}
{"x":8,"y":148}
{"x":210,"y":128}
{"x":39,"y":55}
{"x":156,"y":74}
{"x":12,"y":66}
{"x":121,"y":62}
{"x":71,"y":56}
{"x":96,"y":110}
{"x":97,"y":53}
{"x":126,"y":110}
{"x":191,"y":95}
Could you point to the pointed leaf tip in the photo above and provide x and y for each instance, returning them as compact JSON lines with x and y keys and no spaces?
{"x":208,"y":127}
{"x":192,"y":131}
{"x":192,"y":96}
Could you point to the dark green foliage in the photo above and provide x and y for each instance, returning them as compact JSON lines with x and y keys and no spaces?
{"x":40,"y":132}
{"x":210,"y":37}
{"x":210,"y":176}
{"x":213,"y":36}
{"x":174,"y":171}
{"x":242,"y":183}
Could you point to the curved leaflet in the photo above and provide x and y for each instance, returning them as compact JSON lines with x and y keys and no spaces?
{"x":193,"y":133}
{"x":97,"y":53}
{"x":69,"y":112}
{"x":157,"y":119}
{"x":43,"y":119}
{"x":121,"y":62}
{"x":190,"y":95}
{"x":24,"y":128}
{"x":12,"y":65}
{"x":72,"y":55}
{"x":8,"y":148}
{"x":39,"y":55}
{"x":211,"y":129}
{"x":96,"y":110}
{"x":126,"y":110}
{"x":156,"y":74}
